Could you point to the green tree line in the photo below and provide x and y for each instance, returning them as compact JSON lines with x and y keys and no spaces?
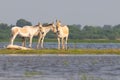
{"x":76,"y":31}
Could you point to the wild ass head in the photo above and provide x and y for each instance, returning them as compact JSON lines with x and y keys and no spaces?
{"x":58,"y":26}
{"x":53,"y":27}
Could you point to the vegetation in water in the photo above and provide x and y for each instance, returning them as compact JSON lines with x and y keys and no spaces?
{"x":32,"y":73}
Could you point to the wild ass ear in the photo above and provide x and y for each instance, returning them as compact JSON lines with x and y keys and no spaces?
{"x":40,"y":27}
{"x":56,"y":20}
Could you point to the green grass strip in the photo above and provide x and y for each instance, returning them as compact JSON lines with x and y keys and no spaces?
{"x":55,"y":51}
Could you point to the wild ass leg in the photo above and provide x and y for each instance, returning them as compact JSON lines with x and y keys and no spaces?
{"x":39,"y":42}
{"x":58,"y":43}
{"x":63,"y":46}
{"x":42,"y":40}
{"x":66,"y":39}
{"x":30,"y":44}
{"x":23,"y":41}
{"x":12,"y":39}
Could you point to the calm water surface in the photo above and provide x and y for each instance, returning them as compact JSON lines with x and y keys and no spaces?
{"x":54,"y":67}
{"x":73,"y":45}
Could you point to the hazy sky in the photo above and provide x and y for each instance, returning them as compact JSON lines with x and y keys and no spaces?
{"x":85,"y":12}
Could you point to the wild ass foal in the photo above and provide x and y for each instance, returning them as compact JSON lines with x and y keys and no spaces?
{"x":26,"y":31}
{"x":43,"y":31}
{"x":62,"y":34}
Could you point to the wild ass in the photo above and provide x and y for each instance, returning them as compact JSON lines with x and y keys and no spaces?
{"x":43,"y":31}
{"x":62,"y":34}
{"x":26,"y":31}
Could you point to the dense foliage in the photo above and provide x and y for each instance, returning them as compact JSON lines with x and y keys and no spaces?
{"x":4,"y":32}
{"x":23,"y":22}
{"x":76,"y":31}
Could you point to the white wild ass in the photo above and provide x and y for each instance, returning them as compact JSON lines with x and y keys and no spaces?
{"x":62,"y":34}
{"x":26,"y":31}
{"x":43,"y":31}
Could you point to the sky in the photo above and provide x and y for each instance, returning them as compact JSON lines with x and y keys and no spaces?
{"x":84,"y":12}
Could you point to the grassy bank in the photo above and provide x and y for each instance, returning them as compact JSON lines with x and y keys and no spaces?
{"x":55,"y":51}
{"x":70,"y":40}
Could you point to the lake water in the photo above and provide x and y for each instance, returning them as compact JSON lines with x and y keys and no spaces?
{"x":73,"y":45}
{"x":54,"y":67}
